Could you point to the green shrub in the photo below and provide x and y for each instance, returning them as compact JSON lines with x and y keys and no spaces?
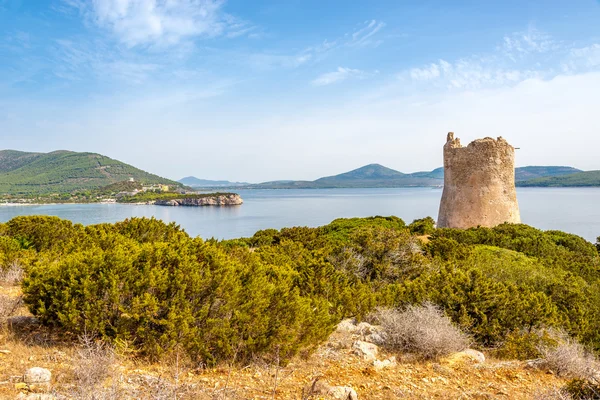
{"x":182,"y":293}
{"x":523,"y":344}
{"x":423,"y":226}
{"x":43,"y":232}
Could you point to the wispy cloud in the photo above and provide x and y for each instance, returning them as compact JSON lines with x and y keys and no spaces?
{"x":161,"y":22}
{"x":364,"y":36}
{"x":520,"y":56}
{"x":526,"y":42}
{"x":339,"y":75}
{"x":470,"y":73}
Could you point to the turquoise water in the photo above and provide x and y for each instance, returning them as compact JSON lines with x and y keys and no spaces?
{"x":572,"y":210}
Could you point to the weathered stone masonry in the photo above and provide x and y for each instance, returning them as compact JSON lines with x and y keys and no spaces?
{"x":479,"y":184}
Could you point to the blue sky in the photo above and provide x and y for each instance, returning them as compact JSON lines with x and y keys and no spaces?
{"x":267,"y":90}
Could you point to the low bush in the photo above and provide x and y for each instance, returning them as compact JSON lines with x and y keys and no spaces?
{"x":8,"y":306}
{"x":581,"y":389}
{"x":181,"y":293}
{"x":423,"y":226}
{"x":523,"y":344}
{"x":570,"y":359}
{"x":421,"y":330}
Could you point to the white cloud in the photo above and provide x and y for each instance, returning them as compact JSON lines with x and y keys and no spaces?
{"x":527,"y":42}
{"x":521,"y":56}
{"x":339,"y":75}
{"x":582,"y":58}
{"x":470,"y":73}
{"x":161,"y":22}
{"x":139,"y":22}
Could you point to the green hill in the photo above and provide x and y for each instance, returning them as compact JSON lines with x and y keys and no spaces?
{"x":62,"y":171}
{"x":587,"y":178}
{"x":378,"y":176}
{"x":534,"y":172}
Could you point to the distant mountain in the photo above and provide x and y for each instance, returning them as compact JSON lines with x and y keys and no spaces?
{"x":579,"y":179}
{"x":527,"y":173}
{"x":371,"y":176}
{"x":62,"y":171}
{"x":376,"y":175}
{"x":192,"y":181}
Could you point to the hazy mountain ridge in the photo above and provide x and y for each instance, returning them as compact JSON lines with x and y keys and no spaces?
{"x":65,"y":171}
{"x":192,"y":181}
{"x":376,"y":175}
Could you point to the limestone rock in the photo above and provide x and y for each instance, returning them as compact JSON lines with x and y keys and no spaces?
{"x":37,"y":375}
{"x":220,"y":200}
{"x":320,"y":387}
{"x":466,"y":356}
{"x":366,"y":350}
{"x":475,"y":355}
{"x":388,"y":363}
{"x":479,"y":184}
{"x":347,"y":326}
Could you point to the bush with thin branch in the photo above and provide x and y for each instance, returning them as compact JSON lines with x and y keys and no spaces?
{"x":11,"y":274}
{"x":8,"y":307}
{"x":422,"y":330}
{"x":95,"y":371}
{"x":570,"y":359}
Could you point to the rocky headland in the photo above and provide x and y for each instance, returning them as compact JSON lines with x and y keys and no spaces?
{"x":217,"y":200}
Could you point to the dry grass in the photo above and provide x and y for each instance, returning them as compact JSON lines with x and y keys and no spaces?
{"x":8,"y":307}
{"x":553,"y":394}
{"x":421,"y":330}
{"x":11,"y":275}
{"x":570,"y":359}
{"x":120,"y":375}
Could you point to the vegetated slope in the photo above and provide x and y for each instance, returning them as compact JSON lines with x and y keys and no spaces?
{"x":65,"y":171}
{"x":533,"y":172}
{"x":587,"y":178}
{"x":282,"y":292}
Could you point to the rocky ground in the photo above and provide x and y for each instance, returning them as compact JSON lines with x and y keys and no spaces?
{"x":348,"y":366}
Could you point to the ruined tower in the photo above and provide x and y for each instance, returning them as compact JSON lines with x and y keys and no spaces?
{"x":479,"y":184}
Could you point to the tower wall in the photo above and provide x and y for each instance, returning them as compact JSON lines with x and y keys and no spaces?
{"x":479,"y":184}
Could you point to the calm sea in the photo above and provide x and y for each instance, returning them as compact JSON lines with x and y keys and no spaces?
{"x":572,"y":210}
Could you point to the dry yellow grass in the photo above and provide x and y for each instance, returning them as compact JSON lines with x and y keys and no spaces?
{"x":27,"y":345}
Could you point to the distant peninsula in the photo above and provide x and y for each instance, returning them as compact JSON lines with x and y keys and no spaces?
{"x":71,"y":177}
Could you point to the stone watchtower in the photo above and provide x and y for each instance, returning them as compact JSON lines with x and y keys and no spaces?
{"x":479,"y":184}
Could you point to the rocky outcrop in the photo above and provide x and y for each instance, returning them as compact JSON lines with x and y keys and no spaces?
{"x":320,"y":387}
{"x":217,"y":200}
{"x":37,"y":378}
{"x":479,"y":184}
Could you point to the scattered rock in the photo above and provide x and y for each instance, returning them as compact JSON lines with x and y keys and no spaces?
{"x":37,"y":378}
{"x":37,"y":375}
{"x":388,"y":363}
{"x":376,"y":337}
{"x":365,"y":328}
{"x":535,"y":364}
{"x":347,"y":326}
{"x":466,"y":356}
{"x":322,"y":388}
{"x":366,"y":350}
{"x":477,"y":356}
